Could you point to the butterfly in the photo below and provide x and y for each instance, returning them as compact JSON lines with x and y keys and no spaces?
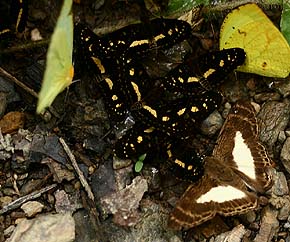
{"x":59,"y":70}
{"x":238,"y":169}
{"x":205,"y":72}
{"x":268,"y":52}
{"x":185,"y":163}
{"x":116,"y":48}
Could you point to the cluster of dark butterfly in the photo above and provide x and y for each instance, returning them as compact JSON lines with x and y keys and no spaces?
{"x":167,"y":111}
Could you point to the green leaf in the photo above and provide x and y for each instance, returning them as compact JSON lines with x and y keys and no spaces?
{"x":59,"y":69}
{"x":139,"y":163}
{"x":138,"y":166}
{"x":182,"y":6}
{"x":285,"y":21}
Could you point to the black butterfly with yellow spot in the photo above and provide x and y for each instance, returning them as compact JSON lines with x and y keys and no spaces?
{"x":205,"y":72}
{"x":185,"y":162}
{"x":129,"y":42}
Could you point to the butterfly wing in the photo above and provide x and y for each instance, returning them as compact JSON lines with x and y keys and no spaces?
{"x":179,"y":117}
{"x":59,"y":69}
{"x":239,"y":161}
{"x":139,"y":140}
{"x":186,"y":163}
{"x":205,"y":72}
{"x":238,"y":146}
{"x":268,"y":53}
{"x":210,"y":196}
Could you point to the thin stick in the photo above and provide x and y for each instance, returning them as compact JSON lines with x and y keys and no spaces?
{"x":17,"y":82}
{"x":18,"y":202}
{"x":27,"y":46}
{"x":77,"y":169}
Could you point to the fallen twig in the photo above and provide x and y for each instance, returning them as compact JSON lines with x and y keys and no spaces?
{"x":77,"y":169}
{"x":18,"y":202}
{"x":17,"y":82}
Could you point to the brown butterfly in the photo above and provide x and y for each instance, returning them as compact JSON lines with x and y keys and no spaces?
{"x":238,"y":169}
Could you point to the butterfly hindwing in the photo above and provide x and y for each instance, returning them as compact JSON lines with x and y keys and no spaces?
{"x":139,"y":140}
{"x":186,"y":163}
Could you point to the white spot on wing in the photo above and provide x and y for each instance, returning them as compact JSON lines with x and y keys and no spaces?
{"x":243,"y":156}
{"x":221,"y":194}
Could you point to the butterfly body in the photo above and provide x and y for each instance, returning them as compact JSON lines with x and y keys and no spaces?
{"x":239,"y":163}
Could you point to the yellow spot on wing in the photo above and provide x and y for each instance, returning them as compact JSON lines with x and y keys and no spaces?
{"x":180,"y":79}
{"x":158,"y":37}
{"x":109,"y":82}
{"x":114,"y":97}
{"x":192,"y":79}
{"x":4,"y":31}
{"x":165,"y":118}
{"x":208,"y":73}
{"x":151,"y":110}
{"x":139,"y":42}
{"x":194,"y":109}
{"x":139,"y":139}
{"x":169,"y":153}
{"x":149,"y":130}
{"x":98,"y":62}
{"x":180,"y":163}
{"x":136,"y":89}
{"x":181,"y":111}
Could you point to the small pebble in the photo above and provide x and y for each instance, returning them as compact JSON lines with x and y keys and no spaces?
{"x":31,"y":208}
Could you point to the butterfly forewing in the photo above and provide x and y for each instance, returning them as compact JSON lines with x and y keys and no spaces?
{"x":132,"y":40}
{"x":239,"y":147}
{"x":216,"y":65}
{"x":206,"y":72}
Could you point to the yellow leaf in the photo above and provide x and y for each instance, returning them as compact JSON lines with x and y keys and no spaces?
{"x":268,"y":53}
{"x":59,"y":69}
